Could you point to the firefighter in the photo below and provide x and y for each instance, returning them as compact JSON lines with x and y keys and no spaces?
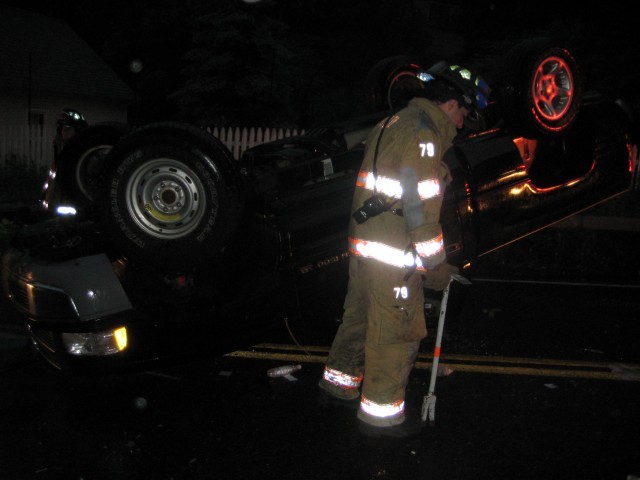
{"x":68,"y":123}
{"x":396,"y":249}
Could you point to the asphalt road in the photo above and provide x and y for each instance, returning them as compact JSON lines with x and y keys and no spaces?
{"x":545,"y":385}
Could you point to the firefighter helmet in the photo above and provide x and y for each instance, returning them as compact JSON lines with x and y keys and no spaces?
{"x":457,"y":82}
{"x":71,"y":118}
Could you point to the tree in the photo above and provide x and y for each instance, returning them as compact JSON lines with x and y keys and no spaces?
{"x":243,"y":67}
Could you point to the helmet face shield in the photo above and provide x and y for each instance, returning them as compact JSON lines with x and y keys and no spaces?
{"x":482,"y":93}
{"x":425,"y":76}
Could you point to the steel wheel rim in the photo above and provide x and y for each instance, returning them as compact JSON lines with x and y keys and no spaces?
{"x":165,"y":198}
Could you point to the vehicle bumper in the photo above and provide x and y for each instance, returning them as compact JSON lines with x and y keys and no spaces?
{"x":75,"y":310}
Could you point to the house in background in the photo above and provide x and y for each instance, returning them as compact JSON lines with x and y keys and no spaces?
{"x":45,"y":67}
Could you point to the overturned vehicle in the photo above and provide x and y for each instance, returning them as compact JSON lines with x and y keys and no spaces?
{"x":172,"y":235}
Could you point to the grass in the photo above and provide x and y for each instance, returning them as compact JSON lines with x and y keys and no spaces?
{"x":626,"y":205}
{"x":570,"y":254}
{"x":21,"y":180}
{"x":7,"y":231}
{"x":21,"y":185}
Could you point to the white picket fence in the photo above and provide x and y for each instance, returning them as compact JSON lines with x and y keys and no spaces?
{"x":31,"y":146}
{"x":34,"y":145}
{"x":237,"y":139}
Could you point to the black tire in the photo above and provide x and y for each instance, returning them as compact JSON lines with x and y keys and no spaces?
{"x":81,"y":166}
{"x":173,"y":196}
{"x":542,"y":89}
{"x":391,"y":83}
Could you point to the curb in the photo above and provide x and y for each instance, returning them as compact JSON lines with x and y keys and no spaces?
{"x":594,"y":222}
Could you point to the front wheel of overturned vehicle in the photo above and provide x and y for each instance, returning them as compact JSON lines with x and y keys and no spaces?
{"x":80,"y":168}
{"x":173,"y":196}
{"x":82,"y":161}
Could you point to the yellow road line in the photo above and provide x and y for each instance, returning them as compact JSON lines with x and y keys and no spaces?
{"x":289,"y":357}
{"x":461,"y":358}
{"x":468,"y":363}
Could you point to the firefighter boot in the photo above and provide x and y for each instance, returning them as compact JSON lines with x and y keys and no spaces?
{"x":406,"y":429}
{"x":409,"y":427}
{"x":332,"y":396}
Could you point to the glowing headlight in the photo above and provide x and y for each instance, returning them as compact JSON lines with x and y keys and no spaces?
{"x":106,"y":342}
{"x":65,"y":210}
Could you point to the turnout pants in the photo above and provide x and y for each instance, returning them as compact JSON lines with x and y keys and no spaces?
{"x":378,"y":340}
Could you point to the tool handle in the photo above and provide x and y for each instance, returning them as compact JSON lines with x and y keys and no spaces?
{"x":436,"y":350}
{"x":429,"y":401}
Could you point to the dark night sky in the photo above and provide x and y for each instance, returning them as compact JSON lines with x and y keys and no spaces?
{"x":345,"y":36}
{"x":103,"y":24}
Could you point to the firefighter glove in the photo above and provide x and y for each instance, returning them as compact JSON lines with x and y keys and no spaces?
{"x":438,"y":278}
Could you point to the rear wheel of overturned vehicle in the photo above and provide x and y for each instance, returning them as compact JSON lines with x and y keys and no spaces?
{"x":543,"y":89}
{"x":81,"y":166}
{"x":172,"y":196}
